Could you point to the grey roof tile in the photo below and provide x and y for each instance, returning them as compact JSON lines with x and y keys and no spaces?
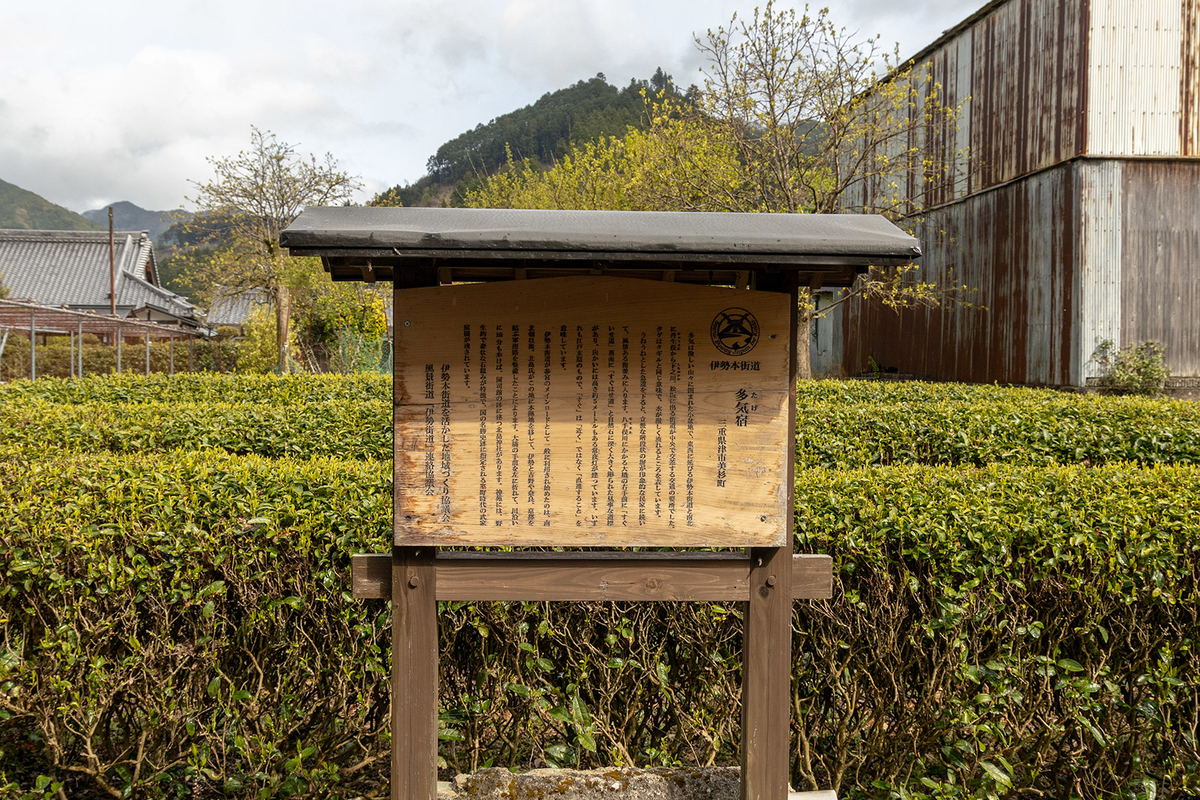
{"x":234,"y":309}
{"x":71,"y":268}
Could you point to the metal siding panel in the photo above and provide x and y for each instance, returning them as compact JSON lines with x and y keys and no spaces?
{"x":1027,"y":97}
{"x":1100,"y":262}
{"x":1016,"y":246}
{"x":1134,"y":77}
{"x":1189,"y":80}
{"x":947,"y":142}
{"x":962,"y":138}
{"x":826,"y":347}
{"x":1160,"y":246}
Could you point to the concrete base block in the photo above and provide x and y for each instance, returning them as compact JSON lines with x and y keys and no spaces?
{"x":613,"y":783}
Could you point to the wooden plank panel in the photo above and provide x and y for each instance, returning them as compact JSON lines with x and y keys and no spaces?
{"x":767,"y":642}
{"x":594,"y":579}
{"x":592,"y":576}
{"x":414,"y":674}
{"x":766,"y":676}
{"x":591,"y":411}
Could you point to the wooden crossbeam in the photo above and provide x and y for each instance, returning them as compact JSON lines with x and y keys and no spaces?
{"x":578,"y":576}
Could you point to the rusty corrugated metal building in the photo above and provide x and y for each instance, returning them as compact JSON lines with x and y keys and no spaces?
{"x":1077,"y":216}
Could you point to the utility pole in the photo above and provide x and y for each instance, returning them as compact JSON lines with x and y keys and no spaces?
{"x":112,"y":267}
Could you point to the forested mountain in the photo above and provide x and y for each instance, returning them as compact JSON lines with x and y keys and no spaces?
{"x":22,"y":209}
{"x":128,"y":217}
{"x":542,"y":131}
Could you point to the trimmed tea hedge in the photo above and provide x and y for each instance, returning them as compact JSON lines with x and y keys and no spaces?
{"x":179,"y":625}
{"x":840,"y":426}
{"x":361,"y":429}
{"x":1001,"y":426}
{"x":203,"y":388}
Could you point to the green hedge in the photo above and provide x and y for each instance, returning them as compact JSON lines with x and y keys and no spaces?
{"x":1002,"y":631}
{"x":325,"y":427}
{"x":939,"y":425}
{"x":1032,"y":627}
{"x":204,"y":388}
{"x":839,"y":424}
{"x":57,"y":358}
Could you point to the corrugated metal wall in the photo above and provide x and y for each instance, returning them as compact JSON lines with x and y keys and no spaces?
{"x":1017,"y":245}
{"x":825,"y":350}
{"x":1099,"y":275}
{"x":1050,"y":80}
{"x":1028,"y":92}
{"x":1065,"y":249}
{"x":1019,"y":74}
{"x":1160,"y":255}
{"x":1189,"y":90}
{"x":1134,"y":74}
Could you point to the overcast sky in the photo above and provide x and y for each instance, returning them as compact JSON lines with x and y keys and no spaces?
{"x":123,"y":100}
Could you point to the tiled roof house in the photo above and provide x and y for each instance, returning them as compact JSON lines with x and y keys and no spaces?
{"x":71,"y":268}
{"x":233,"y":308}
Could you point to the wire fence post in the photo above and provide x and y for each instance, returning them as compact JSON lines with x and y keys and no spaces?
{"x":172,"y":351}
{"x":32,"y":345}
{"x":3,"y":342}
{"x":119,"y":337}
{"x":147,"y":354}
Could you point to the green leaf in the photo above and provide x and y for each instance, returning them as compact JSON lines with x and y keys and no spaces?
{"x":996,"y":773}
{"x":559,"y":753}
{"x":1096,"y":733}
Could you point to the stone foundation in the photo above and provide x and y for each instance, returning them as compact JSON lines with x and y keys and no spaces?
{"x":660,"y":783}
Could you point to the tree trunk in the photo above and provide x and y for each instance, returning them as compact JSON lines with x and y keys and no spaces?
{"x":283,"y":319}
{"x":804,"y":348}
{"x":803,"y":343}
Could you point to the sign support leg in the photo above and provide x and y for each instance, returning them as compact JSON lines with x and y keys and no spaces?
{"x":766,"y":676}
{"x":414,"y":674}
{"x":767,"y":647}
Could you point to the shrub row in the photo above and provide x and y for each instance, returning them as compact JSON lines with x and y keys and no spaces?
{"x":332,"y":415}
{"x":326,"y":427}
{"x":997,"y":426}
{"x":134,"y":388}
{"x":57,"y":358}
{"x":180,"y":625}
{"x":204,"y":388}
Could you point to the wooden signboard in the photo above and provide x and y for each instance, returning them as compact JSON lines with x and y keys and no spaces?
{"x":591,"y":411}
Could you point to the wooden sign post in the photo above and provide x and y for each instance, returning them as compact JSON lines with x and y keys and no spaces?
{"x":601,"y":380}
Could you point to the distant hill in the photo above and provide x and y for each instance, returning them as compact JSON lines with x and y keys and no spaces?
{"x":542,"y":131}
{"x":128,"y":217}
{"x":24,"y":210}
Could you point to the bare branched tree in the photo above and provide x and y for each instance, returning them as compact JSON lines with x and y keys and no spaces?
{"x":258,"y":193}
{"x":811,"y":119}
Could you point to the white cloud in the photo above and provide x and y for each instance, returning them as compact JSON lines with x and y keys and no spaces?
{"x":107,"y":102}
{"x":151,"y":121}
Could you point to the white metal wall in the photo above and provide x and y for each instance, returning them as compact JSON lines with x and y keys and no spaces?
{"x":1099,"y":292}
{"x":825,"y":350}
{"x":1134,"y":77}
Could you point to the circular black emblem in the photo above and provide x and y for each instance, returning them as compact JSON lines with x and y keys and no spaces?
{"x":734,"y":331}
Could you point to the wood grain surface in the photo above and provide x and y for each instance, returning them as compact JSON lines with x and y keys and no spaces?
{"x":592,"y":411}
{"x":592,"y":576}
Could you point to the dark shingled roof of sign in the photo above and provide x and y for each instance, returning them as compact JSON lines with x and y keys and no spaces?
{"x":380,"y":239}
